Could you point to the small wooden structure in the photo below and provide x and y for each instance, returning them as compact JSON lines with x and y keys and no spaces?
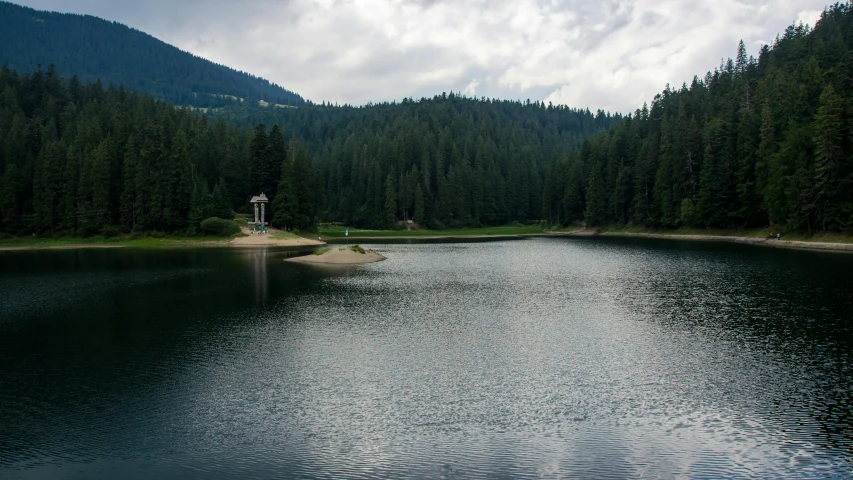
{"x":259,"y":226}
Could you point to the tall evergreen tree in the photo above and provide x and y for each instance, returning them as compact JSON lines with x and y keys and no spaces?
{"x":830,"y":132}
{"x":390,"y":202}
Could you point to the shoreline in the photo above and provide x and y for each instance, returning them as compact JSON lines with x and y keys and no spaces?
{"x":274,"y":238}
{"x":238,"y":242}
{"x":69,"y":246}
{"x":253,"y":241}
{"x":836,"y":247}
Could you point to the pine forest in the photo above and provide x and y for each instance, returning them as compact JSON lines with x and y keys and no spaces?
{"x":762,"y":140}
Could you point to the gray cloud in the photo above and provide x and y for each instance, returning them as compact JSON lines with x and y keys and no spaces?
{"x":609,"y":54}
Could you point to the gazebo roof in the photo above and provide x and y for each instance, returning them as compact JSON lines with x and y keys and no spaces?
{"x":259,"y":199}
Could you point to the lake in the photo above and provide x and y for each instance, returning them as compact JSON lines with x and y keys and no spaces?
{"x":542,"y":357}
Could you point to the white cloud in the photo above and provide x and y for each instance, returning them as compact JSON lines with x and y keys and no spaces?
{"x":809,"y":17}
{"x":609,"y":54}
{"x":471,"y":89}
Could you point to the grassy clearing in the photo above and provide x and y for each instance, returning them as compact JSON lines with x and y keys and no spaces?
{"x":283,"y":235}
{"x":321,"y":251}
{"x":357,"y":249}
{"x":338,"y":232}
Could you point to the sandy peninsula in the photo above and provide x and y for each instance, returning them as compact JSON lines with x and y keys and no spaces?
{"x":340,"y":256}
{"x":273,"y":238}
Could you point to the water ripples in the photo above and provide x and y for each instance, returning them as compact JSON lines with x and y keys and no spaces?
{"x":539,"y":358}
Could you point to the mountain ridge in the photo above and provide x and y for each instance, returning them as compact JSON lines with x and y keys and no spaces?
{"x":97,"y":49}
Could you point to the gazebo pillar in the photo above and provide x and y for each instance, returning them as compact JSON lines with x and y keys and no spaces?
{"x":259,"y":225}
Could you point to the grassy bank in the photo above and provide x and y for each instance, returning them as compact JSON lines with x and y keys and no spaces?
{"x":793,"y":239}
{"x":121,"y":241}
{"x":338,"y":232}
{"x":282,"y":235}
{"x":756,"y":233}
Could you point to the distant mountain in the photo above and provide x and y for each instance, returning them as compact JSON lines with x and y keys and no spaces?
{"x":96,"y":49}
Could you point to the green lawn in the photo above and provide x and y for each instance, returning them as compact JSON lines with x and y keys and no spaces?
{"x":282,"y":235}
{"x":338,"y":232}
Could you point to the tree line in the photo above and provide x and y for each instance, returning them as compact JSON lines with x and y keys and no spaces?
{"x":81,"y":159}
{"x":757,"y":142}
{"x":445,"y":161}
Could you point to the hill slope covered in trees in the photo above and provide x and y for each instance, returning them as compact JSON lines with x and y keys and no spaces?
{"x":96,"y":49}
{"x":80,"y":159}
{"x":759,"y":141}
{"x":446,"y":161}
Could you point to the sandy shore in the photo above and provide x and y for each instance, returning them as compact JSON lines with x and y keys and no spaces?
{"x":340,"y":256}
{"x":765,"y":242}
{"x":268,"y":240}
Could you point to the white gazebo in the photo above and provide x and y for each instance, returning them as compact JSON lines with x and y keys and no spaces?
{"x":259,"y":225}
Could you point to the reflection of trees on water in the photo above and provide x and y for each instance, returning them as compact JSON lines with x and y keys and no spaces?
{"x":258,"y":259}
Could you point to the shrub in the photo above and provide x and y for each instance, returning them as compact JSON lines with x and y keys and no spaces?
{"x":109,"y":231}
{"x":219,"y":227}
{"x":86,"y":230}
{"x":357,"y":248}
{"x":321,"y":251}
{"x":435,"y":224}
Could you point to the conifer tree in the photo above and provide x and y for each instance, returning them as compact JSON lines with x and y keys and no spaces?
{"x":419,"y":206}
{"x":595,"y":201}
{"x":260,"y":160}
{"x":830,"y":132}
{"x":221,"y":204}
{"x":199,"y":204}
{"x":390,"y":202}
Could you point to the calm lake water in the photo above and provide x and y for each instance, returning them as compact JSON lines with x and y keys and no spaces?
{"x":545,"y":357}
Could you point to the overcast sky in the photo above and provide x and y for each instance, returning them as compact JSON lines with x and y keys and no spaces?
{"x":608,"y":54}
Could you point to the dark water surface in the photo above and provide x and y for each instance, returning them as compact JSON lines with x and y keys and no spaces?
{"x":544,"y":357}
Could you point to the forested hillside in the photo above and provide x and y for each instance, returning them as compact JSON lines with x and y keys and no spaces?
{"x":758,"y":141}
{"x":96,"y":49}
{"x":444,"y":161}
{"x":79,"y":159}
